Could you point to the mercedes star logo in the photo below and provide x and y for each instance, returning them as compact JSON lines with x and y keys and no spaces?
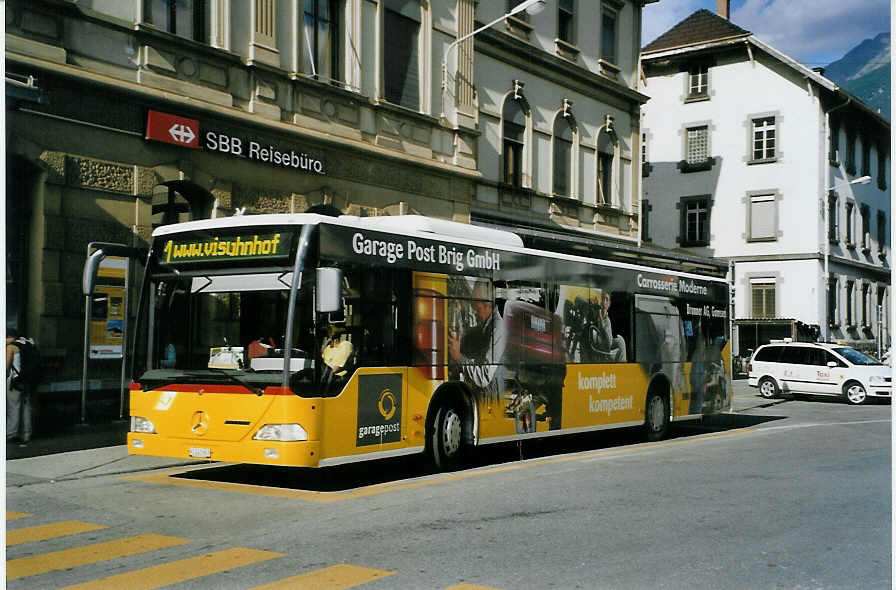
{"x":199,"y":423}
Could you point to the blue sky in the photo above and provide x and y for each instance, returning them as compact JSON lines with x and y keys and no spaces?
{"x":814,"y":32}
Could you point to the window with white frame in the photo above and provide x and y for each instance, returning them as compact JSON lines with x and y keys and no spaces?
{"x":566,"y":21}
{"x":850,"y":151}
{"x":833,"y":218}
{"x":698,"y":81}
{"x":850,"y":224}
{"x":762,"y":297}
{"x":563,"y":155}
{"x":850,"y":311}
{"x":763,"y":218}
{"x":866,"y":305}
{"x":321,"y":30}
{"x":865,"y":212}
{"x":184,"y":18}
{"x":866,"y":156}
{"x":401,"y":68}
{"x":833,"y":307}
{"x":764,"y":140}
{"x":697,"y":145}
{"x":514,"y":137}
{"x":608,"y":34}
{"x":606,"y":156}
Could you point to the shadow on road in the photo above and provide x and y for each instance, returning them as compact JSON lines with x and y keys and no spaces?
{"x":369,"y":473}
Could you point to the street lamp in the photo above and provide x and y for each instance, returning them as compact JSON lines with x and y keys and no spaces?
{"x":827,"y":244}
{"x":532,"y":7}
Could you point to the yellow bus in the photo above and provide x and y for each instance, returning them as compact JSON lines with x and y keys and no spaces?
{"x":311,"y":340}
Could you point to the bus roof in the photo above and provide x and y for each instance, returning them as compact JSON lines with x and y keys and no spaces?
{"x":409,"y":225}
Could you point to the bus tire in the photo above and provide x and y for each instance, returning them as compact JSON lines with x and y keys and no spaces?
{"x":656,"y":415}
{"x":447,"y":436}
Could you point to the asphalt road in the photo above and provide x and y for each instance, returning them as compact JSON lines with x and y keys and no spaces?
{"x":780,"y":494}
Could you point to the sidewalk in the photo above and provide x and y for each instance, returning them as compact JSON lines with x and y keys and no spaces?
{"x":72,"y":438}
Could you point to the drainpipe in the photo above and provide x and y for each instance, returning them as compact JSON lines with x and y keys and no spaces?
{"x":826,"y":209}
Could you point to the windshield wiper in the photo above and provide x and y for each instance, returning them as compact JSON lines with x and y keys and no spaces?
{"x":153,"y":383}
{"x":238,"y":380}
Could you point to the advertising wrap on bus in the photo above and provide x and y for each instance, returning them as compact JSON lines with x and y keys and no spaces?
{"x":350,"y":342}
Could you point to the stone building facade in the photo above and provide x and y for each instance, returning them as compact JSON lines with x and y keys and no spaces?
{"x":122,"y":116}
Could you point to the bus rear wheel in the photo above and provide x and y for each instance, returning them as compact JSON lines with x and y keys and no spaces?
{"x":656,"y":419}
{"x":447,"y":437}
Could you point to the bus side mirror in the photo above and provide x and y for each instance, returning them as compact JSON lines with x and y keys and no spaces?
{"x":329,"y":290}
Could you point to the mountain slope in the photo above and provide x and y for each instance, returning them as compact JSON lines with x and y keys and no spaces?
{"x":865,"y":72}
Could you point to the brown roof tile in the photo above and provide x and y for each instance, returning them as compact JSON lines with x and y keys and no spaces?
{"x":701,"y":27}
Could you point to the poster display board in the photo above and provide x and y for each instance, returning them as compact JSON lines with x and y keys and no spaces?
{"x":108,"y":304}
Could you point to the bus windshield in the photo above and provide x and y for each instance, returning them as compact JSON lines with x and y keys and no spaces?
{"x":225,"y":328}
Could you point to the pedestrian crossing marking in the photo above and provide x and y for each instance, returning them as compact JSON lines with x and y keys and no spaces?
{"x":10,"y":515}
{"x":49,"y":531}
{"x":179,"y":571}
{"x":335,"y":577}
{"x":59,"y":560}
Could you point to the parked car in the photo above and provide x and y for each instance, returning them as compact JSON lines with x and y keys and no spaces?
{"x":818,"y":368}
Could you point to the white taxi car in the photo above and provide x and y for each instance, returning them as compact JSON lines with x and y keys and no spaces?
{"x":818,"y":368}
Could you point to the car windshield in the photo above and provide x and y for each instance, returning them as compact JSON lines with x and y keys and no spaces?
{"x":855,"y":357}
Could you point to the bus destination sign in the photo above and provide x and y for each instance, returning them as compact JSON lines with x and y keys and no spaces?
{"x":205,"y":248}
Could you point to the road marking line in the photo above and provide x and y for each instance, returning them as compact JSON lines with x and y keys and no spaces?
{"x":180,"y":571}
{"x":469,"y":587}
{"x":59,"y":560}
{"x":335,"y":577}
{"x":826,"y":424}
{"x":10,"y":515}
{"x":49,"y":531}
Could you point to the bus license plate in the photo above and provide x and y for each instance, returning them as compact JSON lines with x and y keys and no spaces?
{"x":200,"y":452}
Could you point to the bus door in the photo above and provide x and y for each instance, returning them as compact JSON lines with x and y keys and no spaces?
{"x":660,"y":345}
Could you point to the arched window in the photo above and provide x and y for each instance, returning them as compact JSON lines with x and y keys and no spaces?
{"x":514,"y":142}
{"x":563,"y":154}
{"x":606,"y":181}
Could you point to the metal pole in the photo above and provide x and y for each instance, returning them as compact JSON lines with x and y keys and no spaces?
{"x":124,"y":333}
{"x":86,"y":350}
{"x":880,"y":337}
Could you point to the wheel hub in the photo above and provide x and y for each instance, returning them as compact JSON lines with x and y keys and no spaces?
{"x":656,"y":414}
{"x":452,"y":430}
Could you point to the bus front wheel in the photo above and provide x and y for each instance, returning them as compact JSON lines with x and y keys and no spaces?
{"x":447,"y":437}
{"x":656,"y":421}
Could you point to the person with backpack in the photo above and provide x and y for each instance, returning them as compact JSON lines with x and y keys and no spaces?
{"x":22,"y":373}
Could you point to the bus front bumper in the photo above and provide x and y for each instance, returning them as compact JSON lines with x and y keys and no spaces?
{"x":264,"y":452}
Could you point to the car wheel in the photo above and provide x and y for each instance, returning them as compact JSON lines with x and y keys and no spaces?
{"x":854,"y":393}
{"x":447,"y":437}
{"x":656,"y":416}
{"x":768,"y":388}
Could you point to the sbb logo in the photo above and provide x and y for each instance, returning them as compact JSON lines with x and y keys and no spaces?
{"x":226,"y":144}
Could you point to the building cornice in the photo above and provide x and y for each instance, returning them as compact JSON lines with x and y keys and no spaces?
{"x":526,"y":56}
{"x":235,"y":115}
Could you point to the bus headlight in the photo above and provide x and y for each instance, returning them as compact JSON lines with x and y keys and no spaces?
{"x":877,"y":380}
{"x":139,"y":424}
{"x":281,"y":432}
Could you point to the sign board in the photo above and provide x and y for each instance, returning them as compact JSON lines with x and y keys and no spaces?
{"x":108,"y":305}
{"x":185,"y":132}
{"x":172,"y":129}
